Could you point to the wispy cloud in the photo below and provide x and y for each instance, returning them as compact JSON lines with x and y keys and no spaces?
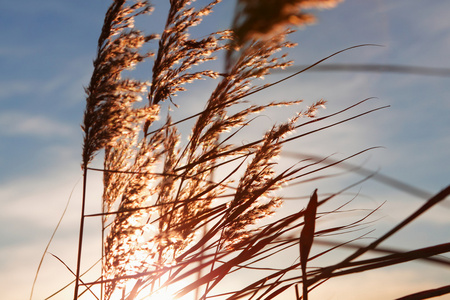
{"x":31,"y":208}
{"x":16,"y":51}
{"x":14,"y":88}
{"x":26,"y":124}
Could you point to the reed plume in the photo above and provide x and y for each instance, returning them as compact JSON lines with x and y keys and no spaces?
{"x":193,"y":214}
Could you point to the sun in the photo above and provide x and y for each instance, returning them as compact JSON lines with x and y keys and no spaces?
{"x":162,"y":295}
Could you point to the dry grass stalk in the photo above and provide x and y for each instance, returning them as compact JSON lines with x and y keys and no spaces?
{"x":267,"y":18}
{"x":164,"y":218}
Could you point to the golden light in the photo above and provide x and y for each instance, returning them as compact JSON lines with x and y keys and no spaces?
{"x":158,"y":293}
{"x":162,"y":295}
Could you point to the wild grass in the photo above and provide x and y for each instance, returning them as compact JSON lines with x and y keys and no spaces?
{"x":188,"y":216}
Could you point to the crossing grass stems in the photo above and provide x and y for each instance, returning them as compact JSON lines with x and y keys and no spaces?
{"x":193,"y":214}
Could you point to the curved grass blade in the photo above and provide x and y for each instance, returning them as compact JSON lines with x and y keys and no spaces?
{"x":51,"y":239}
{"x":307,"y":237}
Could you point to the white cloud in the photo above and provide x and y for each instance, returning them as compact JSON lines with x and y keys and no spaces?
{"x":14,"y":88}
{"x":26,"y":124}
{"x":31,"y":208}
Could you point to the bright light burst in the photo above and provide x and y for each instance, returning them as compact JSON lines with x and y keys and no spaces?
{"x":162,"y":295}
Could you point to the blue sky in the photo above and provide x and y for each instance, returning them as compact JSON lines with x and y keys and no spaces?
{"x":46,"y":54}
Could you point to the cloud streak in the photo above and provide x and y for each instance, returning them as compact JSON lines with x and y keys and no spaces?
{"x":14,"y":123}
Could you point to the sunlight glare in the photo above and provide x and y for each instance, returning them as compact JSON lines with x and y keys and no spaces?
{"x":162,"y":295}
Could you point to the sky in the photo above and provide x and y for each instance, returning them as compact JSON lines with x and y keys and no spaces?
{"x":46,"y":53}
